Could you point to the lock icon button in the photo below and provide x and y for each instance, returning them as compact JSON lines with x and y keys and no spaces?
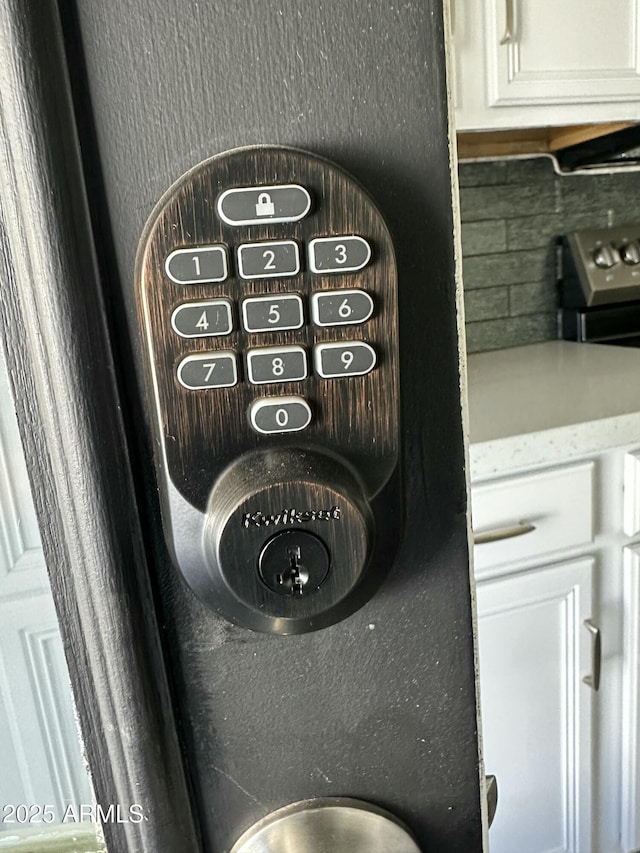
{"x":265,"y":206}
{"x":278,"y":202}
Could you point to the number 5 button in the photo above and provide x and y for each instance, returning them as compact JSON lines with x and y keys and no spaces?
{"x":264,"y":313}
{"x":349,"y":359}
{"x":341,"y":307}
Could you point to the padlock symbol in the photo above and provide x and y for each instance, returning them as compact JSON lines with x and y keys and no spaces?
{"x":265,"y":206}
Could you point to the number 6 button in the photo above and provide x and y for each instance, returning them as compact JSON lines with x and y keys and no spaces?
{"x":341,"y":307}
{"x":350,"y":359}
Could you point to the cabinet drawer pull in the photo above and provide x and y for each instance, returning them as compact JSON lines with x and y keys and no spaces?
{"x":500,"y":533}
{"x":509,"y":31}
{"x":593,"y":680}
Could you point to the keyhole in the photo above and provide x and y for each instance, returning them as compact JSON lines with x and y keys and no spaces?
{"x":295,"y":576}
{"x":294,"y":563}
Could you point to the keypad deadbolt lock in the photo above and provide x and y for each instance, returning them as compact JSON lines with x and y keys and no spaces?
{"x":267,"y":295}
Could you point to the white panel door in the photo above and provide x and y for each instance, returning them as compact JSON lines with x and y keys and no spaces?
{"x":630,"y":811}
{"x":40,"y":758}
{"x":536,"y":710}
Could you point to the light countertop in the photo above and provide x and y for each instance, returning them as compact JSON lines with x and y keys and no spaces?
{"x":547,"y":402}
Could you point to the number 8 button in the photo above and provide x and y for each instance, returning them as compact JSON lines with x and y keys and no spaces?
{"x":276,"y":364}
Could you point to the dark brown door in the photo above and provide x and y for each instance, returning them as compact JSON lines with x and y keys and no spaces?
{"x":220,"y":724}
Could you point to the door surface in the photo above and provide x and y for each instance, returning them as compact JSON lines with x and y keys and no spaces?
{"x":381,"y":705}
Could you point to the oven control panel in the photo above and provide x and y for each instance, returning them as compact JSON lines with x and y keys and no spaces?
{"x":600,"y":266}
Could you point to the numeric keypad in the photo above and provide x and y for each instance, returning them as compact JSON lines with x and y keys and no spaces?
{"x":263,"y":314}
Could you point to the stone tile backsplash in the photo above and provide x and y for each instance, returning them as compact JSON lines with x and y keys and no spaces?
{"x":512,"y":211}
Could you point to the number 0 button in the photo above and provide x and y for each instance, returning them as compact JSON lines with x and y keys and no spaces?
{"x":279,"y":414}
{"x":208,"y":370}
{"x":351,"y":359}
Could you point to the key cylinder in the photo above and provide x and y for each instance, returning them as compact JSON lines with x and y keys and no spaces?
{"x":288,"y":535}
{"x":294,"y":562}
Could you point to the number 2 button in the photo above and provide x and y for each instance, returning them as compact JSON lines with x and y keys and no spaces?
{"x":268,"y":260}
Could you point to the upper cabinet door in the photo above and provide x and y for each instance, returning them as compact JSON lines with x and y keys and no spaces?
{"x":522,"y":63}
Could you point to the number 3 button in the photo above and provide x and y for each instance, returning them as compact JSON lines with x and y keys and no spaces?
{"x":338,"y":254}
{"x":351,"y":359}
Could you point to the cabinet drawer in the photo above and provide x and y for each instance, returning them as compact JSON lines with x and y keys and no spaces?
{"x":533,"y":515}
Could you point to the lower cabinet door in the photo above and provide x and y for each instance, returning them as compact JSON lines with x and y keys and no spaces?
{"x":535,"y":650}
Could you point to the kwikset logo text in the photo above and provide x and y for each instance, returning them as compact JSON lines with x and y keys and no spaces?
{"x":289,"y":516}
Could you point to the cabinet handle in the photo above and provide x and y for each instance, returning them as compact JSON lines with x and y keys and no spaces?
{"x":509,"y":31}
{"x":593,"y":680}
{"x":500,"y":533}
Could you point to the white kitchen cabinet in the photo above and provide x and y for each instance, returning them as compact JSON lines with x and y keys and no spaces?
{"x":566,"y":757}
{"x":532,"y":515}
{"x":532,"y":63}
{"x":536,"y":709}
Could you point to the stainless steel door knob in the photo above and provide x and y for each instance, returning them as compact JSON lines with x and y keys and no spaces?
{"x":327,"y":825}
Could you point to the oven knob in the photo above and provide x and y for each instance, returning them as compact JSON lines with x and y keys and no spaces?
{"x":630,"y":253}
{"x":605,"y":257}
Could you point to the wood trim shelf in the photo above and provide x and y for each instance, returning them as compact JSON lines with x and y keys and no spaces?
{"x":532,"y":140}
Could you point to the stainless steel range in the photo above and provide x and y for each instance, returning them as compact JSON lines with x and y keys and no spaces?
{"x":598,"y":274}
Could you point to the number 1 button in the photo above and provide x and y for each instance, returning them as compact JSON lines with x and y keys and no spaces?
{"x":197,"y":265}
